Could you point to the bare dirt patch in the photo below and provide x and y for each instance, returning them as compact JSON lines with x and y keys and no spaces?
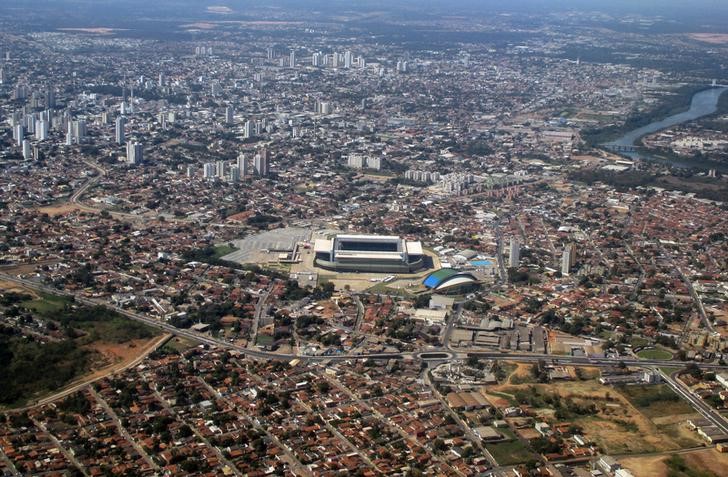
{"x":8,"y":286}
{"x":59,"y":209}
{"x":712,"y":38}
{"x":654,"y":466}
{"x":709,"y":459}
{"x":645,"y":466}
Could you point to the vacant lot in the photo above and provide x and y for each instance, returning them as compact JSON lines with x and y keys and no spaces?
{"x":656,"y":401}
{"x":655,"y":353}
{"x":617,"y":425}
{"x":704,"y":463}
{"x":509,"y":453}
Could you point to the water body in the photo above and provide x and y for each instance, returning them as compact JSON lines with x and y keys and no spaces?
{"x":702,"y":104}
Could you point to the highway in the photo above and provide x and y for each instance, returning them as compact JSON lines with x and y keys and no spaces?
{"x":452,"y":354}
{"x":698,"y":404}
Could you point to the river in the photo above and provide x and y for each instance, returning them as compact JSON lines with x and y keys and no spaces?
{"x":702,"y":104}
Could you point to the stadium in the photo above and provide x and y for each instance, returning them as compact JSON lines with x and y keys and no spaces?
{"x":369,"y":253}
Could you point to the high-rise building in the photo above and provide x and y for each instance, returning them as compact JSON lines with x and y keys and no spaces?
{"x":270,"y":53}
{"x":568,"y":259}
{"x":248,"y":129}
{"x":79,"y":130}
{"x":220,"y":169}
{"x":161,"y":80}
{"x":19,"y":134}
{"x":323,"y":107}
{"x":69,"y":133}
{"x":120,"y":130}
{"x":243,"y":165}
{"x":356,"y":161}
{"x":3,"y":76}
{"x":335,"y":59}
{"x":41,"y":130}
{"x":234,"y":174}
{"x":261,"y":163}
{"x":50,"y":99}
{"x":317,"y":59}
{"x":208,"y":170}
{"x":514,"y":256}
{"x":292,"y":59}
{"x":27,"y":155}
{"x":348,"y":59}
{"x":229,"y":113}
{"x":134,"y":153}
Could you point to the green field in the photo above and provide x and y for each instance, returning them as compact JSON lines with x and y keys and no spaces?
{"x":510,"y":453}
{"x":47,"y":304}
{"x":655,"y":353}
{"x":222,"y":250}
{"x":655,"y":400}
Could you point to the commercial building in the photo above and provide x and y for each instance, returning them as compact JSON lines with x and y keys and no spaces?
{"x":369,"y":253}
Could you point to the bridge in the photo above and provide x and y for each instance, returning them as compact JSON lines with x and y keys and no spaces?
{"x":620,"y":148}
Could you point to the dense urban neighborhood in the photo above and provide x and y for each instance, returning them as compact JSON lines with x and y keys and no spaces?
{"x":286,"y":239}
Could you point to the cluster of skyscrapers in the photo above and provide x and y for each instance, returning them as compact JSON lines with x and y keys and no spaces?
{"x":241,"y":169}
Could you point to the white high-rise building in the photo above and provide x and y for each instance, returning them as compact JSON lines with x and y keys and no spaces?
{"x":335,"y":59}
{"x":514,"y":256}
{"x":348,"y":59}
{"x":41,"y":130}
{"x":134,"y":153}
{"x":161,"y":80}
{"x":3,"y":76}
{"x":120,"y":130}
{"x":220,"y":169}
{"x":317,"y":59}
{"x":356,"y":161}
{"x":374,"y":163}
{"x":324,"y":107}
{"x":261,"y":163}
{"x":292,"y":59}
{"x":27,"y":154}
{"x":79,"y":131}
{"x":19,"y":134}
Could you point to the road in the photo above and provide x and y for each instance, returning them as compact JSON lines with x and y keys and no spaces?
{"x":122,"y":430}
{"x":74,"y":387}
{"x":259,"y":312}
{"x":467,"y":431}
{"x":698,"y":404}
{"x":259,"y":354}
{"x":454,"y":318}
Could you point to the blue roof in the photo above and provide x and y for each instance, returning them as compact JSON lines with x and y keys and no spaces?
{"x":435,"y":279}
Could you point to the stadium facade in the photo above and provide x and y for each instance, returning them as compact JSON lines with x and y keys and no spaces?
{"x":369,"y":253}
